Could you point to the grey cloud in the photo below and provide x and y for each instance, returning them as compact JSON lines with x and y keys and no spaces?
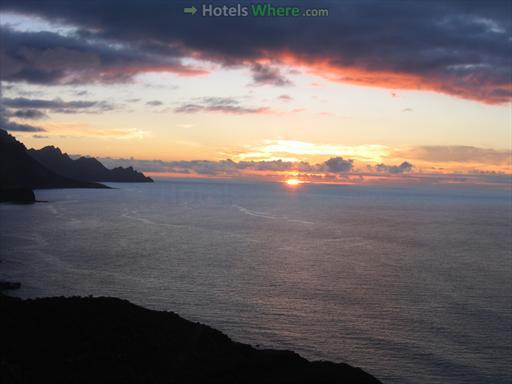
{"x":229,"y":167}
{"x":50,"y":58}
{"x":12,"y":126}
{"x":29,"y":114}
{"x":394,"y":169}
{"x":338,"y":165}
{"x":219,"y":104}
{"x":268,"y":75}
{"x":154,"y":103}
{"x":58,"y":105}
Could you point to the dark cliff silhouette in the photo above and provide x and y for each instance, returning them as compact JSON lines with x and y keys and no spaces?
{"x":6,"y":285}
{"x":17,"y":195}
{"x":19,"y":170}
{"x":107,"y":340}
{"x":84,"y":168}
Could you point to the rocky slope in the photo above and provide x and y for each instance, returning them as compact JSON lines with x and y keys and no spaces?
{"x":84,"y":168}
{"x":19,"y":170}
{"x":108,"y":340}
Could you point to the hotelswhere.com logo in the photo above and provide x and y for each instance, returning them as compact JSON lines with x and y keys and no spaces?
{"x":254,"y":10}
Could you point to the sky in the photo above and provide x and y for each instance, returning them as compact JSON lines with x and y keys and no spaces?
{"x":374,"y":92}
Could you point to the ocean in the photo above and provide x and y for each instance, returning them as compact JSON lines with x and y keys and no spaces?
{"x":412,"y":284}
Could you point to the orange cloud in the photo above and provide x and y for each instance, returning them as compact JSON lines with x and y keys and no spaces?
{"x":471,"y":86}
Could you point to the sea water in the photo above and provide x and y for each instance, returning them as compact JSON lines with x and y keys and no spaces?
{"x":412,"y":284}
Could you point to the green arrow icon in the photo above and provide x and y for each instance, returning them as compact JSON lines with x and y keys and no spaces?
{"x":192,"y":10}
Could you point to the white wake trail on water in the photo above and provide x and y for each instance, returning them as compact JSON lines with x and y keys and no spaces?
{"x":266,"y":215}
{"x":250,"y":212}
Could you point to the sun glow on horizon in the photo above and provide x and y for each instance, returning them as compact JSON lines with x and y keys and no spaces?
{"x":293,"y":182}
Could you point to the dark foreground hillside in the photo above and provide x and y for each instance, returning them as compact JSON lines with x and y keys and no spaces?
{"x":108,"y":340}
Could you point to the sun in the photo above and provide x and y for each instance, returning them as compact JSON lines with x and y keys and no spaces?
{"x":293,"y":182}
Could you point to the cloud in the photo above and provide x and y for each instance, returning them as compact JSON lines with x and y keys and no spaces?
{"x":267,"y":75}
{"x":334,"y":170}
{"x":7,"y":124}
{"x":33,"y":109}
{"x":154,"y":103}
{"x":293,"y":149}
{"x":12,"y":126}
{"x":278,"y":166}
{"x":338,"y":165}
{"x":219,"y":104}
{"x":29,"y":114}
{"x":457,"y":154}
{"x":58,"y":105}
{"x":49,"y":58}
{"x":285,"y":98}
{"x":229,"y":167}
{"x":456,"y":48}
{"x":39,"y":136}
{"x":394,"y":169}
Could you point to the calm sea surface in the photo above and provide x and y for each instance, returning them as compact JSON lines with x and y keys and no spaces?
{"x":414,"y":285}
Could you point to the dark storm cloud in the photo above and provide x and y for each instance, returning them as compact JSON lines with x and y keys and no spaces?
{"x":219,"y":104}
{"x":394,"y":169}
{"x":268,"y":75}
{"x":457,"y":47}
{"x":50,"y":58}
{"x":58,"y":105}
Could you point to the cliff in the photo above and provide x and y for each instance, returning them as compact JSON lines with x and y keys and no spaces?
{"x":108,"y":340}
{"x":84,"y":168}
{"x":19,"y":170}
{"x":17,"y":195}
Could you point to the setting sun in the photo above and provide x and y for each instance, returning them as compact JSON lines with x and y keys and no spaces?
{"x":293,"y":182}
